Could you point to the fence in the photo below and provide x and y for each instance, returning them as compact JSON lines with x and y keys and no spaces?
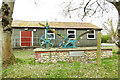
{"x":16,"y":41}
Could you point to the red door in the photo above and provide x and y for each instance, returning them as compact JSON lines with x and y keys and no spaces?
{"x":26,"y":38}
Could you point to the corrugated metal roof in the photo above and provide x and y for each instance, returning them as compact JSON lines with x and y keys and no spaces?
{"x":54,"y":24}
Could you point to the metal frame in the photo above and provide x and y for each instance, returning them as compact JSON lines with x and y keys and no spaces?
{"x":70,"y":43}
{"x":44,"y":41}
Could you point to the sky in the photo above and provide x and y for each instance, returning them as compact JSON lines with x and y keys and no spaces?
{"x":51,"y":10}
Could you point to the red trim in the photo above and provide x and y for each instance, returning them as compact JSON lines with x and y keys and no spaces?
{"x":37,"y":55}
{"x":42,"y":52}
{"x":50,"y":52}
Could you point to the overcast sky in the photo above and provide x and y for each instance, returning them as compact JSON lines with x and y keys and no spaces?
{"x":51,"y":10}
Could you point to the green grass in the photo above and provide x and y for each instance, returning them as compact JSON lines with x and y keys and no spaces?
{"x":24,"y":54}
{"x":0,"y":66}
{"x":25,"y":68}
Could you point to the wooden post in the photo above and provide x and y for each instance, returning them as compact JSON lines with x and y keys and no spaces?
{"x":99,"y":48}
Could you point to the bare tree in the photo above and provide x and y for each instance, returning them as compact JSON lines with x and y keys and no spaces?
{"x":109,"y":27}
{"x":116,"y":3}
{"x":90,"y":7}
{"x":6,"y":31}
{"x":85,"y":8}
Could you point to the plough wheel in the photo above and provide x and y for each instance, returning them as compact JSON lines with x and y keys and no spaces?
{"x":46,"y":43}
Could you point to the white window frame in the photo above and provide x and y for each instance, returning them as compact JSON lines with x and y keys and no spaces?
{"x":26,"y":29}
{"x":50,"y":33}
{"x":20,"y":38}
{"x":71,"y":30}
{"x":34,"y":30}
{"x":32,"y":38}
{"x":91,"y":34}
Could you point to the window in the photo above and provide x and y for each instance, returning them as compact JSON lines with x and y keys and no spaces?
{"x":34,"y":30}
{"x":51,"y":35}
{"x":71,"y":34}
{"x":26,"y":29}
{"x":91,"y":35}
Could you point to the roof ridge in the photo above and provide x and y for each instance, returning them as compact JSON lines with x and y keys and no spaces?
{"x":51,"y":21}
{"x":54,"y":24}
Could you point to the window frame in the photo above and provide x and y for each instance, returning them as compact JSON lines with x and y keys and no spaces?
{"x":71,"y":30}
{"x":50,"y":33}
{"x":91,"y":34}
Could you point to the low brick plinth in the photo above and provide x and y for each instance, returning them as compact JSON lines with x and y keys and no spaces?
{"x":72,"y":54}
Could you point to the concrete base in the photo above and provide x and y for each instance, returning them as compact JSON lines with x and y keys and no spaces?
{"x":72,"y":49}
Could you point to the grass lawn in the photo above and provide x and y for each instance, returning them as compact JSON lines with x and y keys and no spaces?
{"x":0,"y":67}
{"x":25,"y":68}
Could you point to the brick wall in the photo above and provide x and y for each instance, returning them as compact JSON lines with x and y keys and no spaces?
{"x":53,"y":57}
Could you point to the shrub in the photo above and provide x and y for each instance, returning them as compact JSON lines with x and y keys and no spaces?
{"x":105,"y":38}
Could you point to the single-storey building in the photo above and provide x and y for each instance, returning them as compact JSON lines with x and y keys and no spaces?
{"x":28,"y":33}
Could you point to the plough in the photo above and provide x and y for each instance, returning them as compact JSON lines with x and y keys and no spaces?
{"x":66,"y":43}
{"x":44,"y":41}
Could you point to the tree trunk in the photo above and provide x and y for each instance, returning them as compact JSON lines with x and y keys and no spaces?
{"x":0,"y":49}
{"x":119,"y":31}
{"x":7,"y":53}
{"x":117,"y":5}
{"x":119,"y":25}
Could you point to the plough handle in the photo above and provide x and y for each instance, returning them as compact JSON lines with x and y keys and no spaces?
{"x":54,"y":31}
{"x":84,"y":34}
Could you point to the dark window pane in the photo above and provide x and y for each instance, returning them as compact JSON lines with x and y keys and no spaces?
{"x":70,"y":31}
{"x":50,"y":36}
{"x":90,"y":36}
{"x":71,"y":36}
{"x":49,"y":31}
{"x":91,"y":31}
